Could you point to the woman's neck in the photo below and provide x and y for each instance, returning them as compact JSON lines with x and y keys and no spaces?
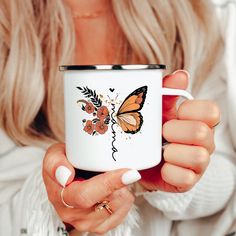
{"x":85,"y":9}
{"x":97,"y":38}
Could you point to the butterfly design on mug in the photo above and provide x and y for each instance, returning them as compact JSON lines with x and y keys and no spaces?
{"x":128,"y":117}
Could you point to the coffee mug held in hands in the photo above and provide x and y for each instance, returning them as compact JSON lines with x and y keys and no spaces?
{"x":113,"y":115}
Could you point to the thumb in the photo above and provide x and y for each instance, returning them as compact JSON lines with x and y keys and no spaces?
{"x":57,"y":166}
{"x":177,"y":80}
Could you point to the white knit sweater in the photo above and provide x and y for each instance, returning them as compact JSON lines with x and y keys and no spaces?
{"x":209,"y":209}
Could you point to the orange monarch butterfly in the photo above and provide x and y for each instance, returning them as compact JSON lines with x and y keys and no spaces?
{"x":128,"y":116}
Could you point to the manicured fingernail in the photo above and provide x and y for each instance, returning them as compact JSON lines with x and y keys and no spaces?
{"x":62,"y":175}
{"x":130,"y":177}
{"x":183,"y":71}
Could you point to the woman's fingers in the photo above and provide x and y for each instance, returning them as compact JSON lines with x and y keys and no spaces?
{"x":191,"y":138}
{"x":199,"y":110}
{"x":122,"y":201}
{"x":189,"y":132}
{"x":183,"y":179}
{"x":87,"y":193}
{"x":177,"y":80}
{"x":56,"y":166}
{"x":57,"y":171}
{"x":89,"y":220}
{"x":84,"y":195}
{"x":187,"y":156}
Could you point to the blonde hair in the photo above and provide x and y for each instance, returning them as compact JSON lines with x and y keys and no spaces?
{"x":38,"y":36}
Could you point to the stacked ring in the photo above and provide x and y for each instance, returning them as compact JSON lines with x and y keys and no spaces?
{"x":98,"y":207}
{"x":104,"y":204}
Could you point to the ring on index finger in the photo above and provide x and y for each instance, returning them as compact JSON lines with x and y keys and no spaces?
{"x":104,"y":204}
{"x":63,"y":201}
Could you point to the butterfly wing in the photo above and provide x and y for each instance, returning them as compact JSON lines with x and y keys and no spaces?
{"x":134,"y":102}
{"x":128,"y":116}
{"x":130,"y":122}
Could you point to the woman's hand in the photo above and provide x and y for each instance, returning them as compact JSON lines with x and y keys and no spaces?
{"x":190,"y":134}
{"x":83,"y":195}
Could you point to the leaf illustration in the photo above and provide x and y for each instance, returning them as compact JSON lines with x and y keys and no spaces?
{"x":107,"y":120}
{"x":95,"y":120}
{"x":94,"y":132}
{"x":89,"y":93}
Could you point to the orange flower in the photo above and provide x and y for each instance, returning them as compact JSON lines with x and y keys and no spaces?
{"x":102,"y":112}
{"x":89,"y":108}
{"x":89,"y":127}
{"x":101,"y":127}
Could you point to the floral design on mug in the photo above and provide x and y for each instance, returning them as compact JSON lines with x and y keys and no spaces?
{"x":101,"y":116}
{"x":128,"y":116}
{"x":102,"y":112}
{"x":101,"y":127}
{"x":89,"y":127}
{"x":89,"y":108}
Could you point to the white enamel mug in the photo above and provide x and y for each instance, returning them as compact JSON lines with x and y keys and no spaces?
{"x":113,"y":115}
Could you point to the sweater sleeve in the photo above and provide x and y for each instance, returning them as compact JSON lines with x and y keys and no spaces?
{"x":24,"y":207}
{"x":15,"y":167}
{"x":35,"y":215}
{"x":208,"y":196}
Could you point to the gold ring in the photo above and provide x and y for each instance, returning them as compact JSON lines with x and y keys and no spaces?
{"x":63,"y":201}
{"x":104,"y":204}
